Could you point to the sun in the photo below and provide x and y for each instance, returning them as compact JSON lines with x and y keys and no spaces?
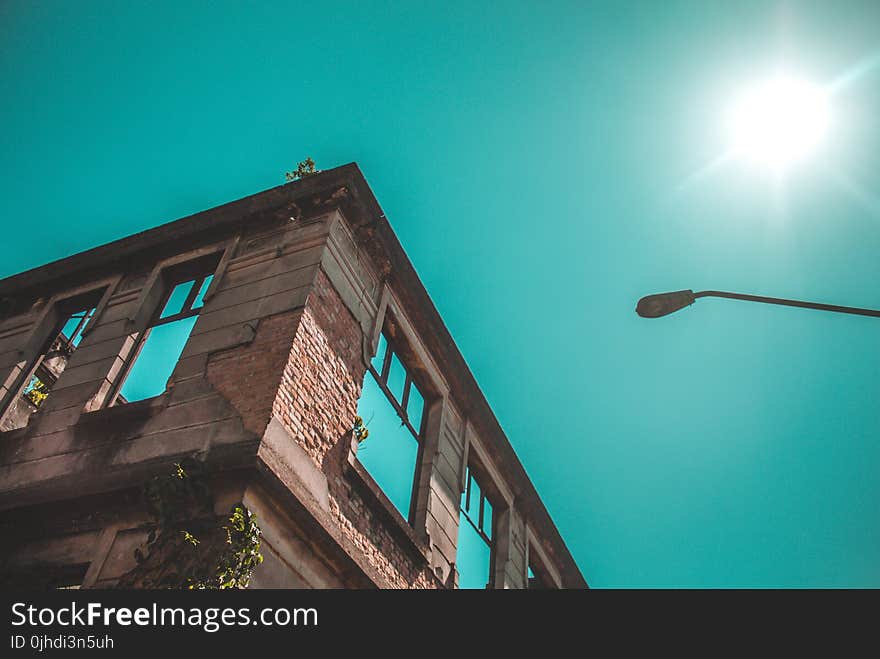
{"x":779,"y":121}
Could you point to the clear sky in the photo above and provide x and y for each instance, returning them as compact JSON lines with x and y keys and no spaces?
{"x":544,"y":165}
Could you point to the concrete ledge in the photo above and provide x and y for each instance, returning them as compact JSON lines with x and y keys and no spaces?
{"x":280,"y":451}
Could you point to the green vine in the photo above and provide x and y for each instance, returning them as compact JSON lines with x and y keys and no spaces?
{"x":243,"y":553}
{"x":188,"y":546}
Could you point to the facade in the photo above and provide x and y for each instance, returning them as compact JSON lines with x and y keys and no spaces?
{"x":249,"y":338}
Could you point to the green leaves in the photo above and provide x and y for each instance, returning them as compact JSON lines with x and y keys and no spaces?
{"x":360,"y":429}
{"x":243,"y":549}
{"x":189,"y":546}
{"x":303,"y":169}
{"x":37,"y":391}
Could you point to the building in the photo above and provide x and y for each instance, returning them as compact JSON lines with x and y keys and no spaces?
{"x":243,"y":338}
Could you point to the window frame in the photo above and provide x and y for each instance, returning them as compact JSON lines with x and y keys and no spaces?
{"x":475,"y":472}
{"x":87,"y":317}
{"x":48,"y":327}
{"x":381,"y":379}
{"x":66,"y":346}
{"x":478,"y":526}
{"x":186,"y":311}
{"x":168,"y":275}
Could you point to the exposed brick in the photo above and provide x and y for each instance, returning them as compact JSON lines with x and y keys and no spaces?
{"x":317,"y":403}
{"x":249,"y":376}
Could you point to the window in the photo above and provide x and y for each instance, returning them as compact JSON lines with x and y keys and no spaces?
{"x":392,"y":407}
{"x":54,"y":360}
{"x":71,"y":333}
{"x":151,"y":363}
{"x":59,"y":336}
{"x":475,"y":537}
{"x":51,"y":363}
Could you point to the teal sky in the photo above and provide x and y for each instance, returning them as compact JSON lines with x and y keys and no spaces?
{"x":544,"y":167}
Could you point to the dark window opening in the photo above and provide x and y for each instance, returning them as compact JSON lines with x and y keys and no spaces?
{"x":152,"y":361}
{"x":475,"y":549}
{"x":392,"y":408}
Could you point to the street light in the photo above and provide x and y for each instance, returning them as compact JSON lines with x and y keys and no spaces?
{"x":663,"y":304}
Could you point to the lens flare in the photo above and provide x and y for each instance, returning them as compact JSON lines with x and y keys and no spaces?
{"x":779,"y":122}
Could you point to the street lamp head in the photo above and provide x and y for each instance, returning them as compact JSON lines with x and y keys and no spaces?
{"x":663,"y":304}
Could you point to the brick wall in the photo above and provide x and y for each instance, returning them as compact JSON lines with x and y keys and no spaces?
{"x":248,"y":376}
{"x":317,"y":403}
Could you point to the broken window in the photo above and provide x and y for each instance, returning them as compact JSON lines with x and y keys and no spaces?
{"x":475,"y":537}
{"x":51,"y":363}
{"x":392,"y":408}
{"x":153,"y":359}
{"x":71,"y":333}
{"x":64,"y":328}
{"x":54,"y":360}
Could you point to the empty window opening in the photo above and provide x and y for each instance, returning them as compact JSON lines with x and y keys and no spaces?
{"x":392,"y":408}
{"x":63,"y":338}
{"x":154,"y":358}
{"x":52,"y":362}
{"x":475,"y":536}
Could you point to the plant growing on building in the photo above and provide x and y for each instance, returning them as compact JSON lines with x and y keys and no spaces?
{"x":37,"y":392}
{"x":303,"y":169}
{"x":360,"y":429}
{"x":188,"y":546}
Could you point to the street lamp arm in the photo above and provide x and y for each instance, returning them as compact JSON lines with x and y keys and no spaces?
{"x":790,"y":303}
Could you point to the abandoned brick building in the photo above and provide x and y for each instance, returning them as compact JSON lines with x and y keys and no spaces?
{"x":249,"y":337}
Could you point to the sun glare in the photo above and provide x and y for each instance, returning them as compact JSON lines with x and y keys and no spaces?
{"x":779,"y":122}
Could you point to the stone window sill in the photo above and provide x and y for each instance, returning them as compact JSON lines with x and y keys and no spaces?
{"x":141,"y":409}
